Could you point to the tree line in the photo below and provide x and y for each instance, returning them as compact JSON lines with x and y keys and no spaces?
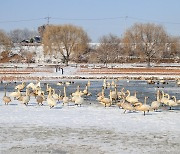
{"x":142,"y":42}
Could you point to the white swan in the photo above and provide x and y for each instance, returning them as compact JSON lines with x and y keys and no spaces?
{"x":79,"y":100}
{"x":40,"y":98}
{"x":165,"y":99}
{"x":131,"y":99}
{"x":59,"y":83}
{"x":105,"y":83}
{"x":65,"y":98}
{"x":50,"y":100}
{"x":100,"y":95}
{"x":34,"y":86}
{"x":156,"y":104}
{"x":54,"y":95}
{"x":178,"y":82}
{"x":15,"y":94}
{"x":126,"y":106}
{"x":26,"y":98}
{"x":142,"y":107}
{"x":107,"y":101}
{"x":150,"y":82}
{"x":172,"y":103}
{"x":114,"y":93}
{"x":113,"y":83}
{"x":89,"y":83}
{"x":86,"y":91}
{"x":6,"y":98}
{"x":121,"y":94}
{"x":20,"y":86}
{"x":78,"y":92}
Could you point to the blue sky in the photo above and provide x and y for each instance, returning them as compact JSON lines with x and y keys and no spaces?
{"x":165,"y":12}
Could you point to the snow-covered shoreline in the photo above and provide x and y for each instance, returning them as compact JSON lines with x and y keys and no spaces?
{"x":87,"y":130}
{"x":78,"y":73}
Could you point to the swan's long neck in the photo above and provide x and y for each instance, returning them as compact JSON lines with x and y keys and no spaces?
{"x":53,"y":91}
{"x":86,"y":87}
{"x":47,"y":86}
{"x":158,"y":96}
{"x":135,"y":94}
{"x":5,"y":91}
{"x":110,"y":95}
{"x":115,"y":89}
{"x":78,"y":88}
{"x":145,"y":100}
{"x":104,"y":84}
{"x":27,"y":92}
{"x":128,"y":93}
{"x":18,"y":91}
{"x":64,"y":91}
{"x":123,"y":101}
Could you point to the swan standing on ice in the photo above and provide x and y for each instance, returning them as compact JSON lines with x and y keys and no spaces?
{"x":131,"y":99}
{"x":165,"y":99}
{"x":79,"y":100}
{"x":78,"y":92}
{"x":121,"y":94}
{"x":65,"y":98}
{"x":171,"y":103}
{"x":126,"y":106}
{"x":114,"y":93}
{"x":6,"y":99}
{"x":40,"y":98}
{"x":107,"y":101}
{"x":100,"y":94}
{"x":15,"y":94}
{"x":26,"y":98}
{"x":156,"y":104}
{"x":86,"y":91}
{"x":50,"y":100}
{"x":54,"y":95}
{"x":20,"y":86}
{"x":142,"y":107}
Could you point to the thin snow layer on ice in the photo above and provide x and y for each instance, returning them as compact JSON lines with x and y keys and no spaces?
{"x":86,"y":129}
{"x":88,"y":116}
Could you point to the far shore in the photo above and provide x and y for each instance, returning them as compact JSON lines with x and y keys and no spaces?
{"x":122,"y":72}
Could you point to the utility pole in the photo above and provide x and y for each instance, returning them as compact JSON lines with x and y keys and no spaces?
{"x":48,"y":19}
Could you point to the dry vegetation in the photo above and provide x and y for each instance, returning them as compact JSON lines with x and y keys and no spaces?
{"x":139,"y":71}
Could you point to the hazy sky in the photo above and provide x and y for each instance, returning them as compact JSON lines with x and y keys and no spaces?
{"x":107,"y":16}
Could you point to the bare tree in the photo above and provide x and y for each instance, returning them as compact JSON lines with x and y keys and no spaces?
{"x":19,"y":35}
{"x":5,"y":41}
{"x":147,"y":40}
{"x":109,"y":49}
{"x":67,"y":40}
{"x":172,"y":48}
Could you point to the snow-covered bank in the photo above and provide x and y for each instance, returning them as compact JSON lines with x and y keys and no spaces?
{"x":86,"y":129}
{"x":28,"y":72}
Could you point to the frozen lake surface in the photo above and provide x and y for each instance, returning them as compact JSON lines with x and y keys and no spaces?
{"x":91,"y":128}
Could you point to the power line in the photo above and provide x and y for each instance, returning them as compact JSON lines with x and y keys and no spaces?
{"x":91,"y":19}
{"x":24,"y":20}
{"x":112,"y":18}
{"x":156,"y":21}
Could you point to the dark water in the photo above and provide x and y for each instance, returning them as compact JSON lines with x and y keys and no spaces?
{"x":141,"y":87}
